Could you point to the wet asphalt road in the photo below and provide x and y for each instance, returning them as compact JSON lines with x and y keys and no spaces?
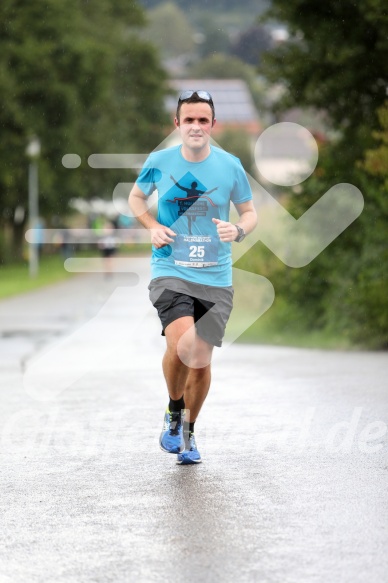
{"x":294,"y":483}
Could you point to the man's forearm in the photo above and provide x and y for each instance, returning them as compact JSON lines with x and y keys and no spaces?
{"x":148,"y":220}
{"x":140,"y":210}
{"x":247,"y":221}
{"x":160,"y":234}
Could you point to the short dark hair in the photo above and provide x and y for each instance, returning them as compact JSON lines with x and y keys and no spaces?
{"x":194,"y":99}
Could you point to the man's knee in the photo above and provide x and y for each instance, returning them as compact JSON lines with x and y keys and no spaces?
{"x":200,"y":354}
{"x":184,"y":342}
{"x":180,"y":337}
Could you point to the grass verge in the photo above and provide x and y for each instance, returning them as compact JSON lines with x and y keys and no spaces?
{"x":280,"y":326}
{"x":15,"y":278}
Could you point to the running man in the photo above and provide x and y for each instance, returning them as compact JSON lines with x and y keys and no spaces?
{"x":191,"y":265}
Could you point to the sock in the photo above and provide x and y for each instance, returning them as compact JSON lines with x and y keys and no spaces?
{"x":188,"y":428}
{"x":176,"y":406}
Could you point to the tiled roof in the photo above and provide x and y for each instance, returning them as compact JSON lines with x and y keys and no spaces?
{"x":232,"y":99}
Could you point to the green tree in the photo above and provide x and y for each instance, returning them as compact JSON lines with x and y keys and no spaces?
{"x":79,"y":77}
{"x":337,"y":62}
{"x":238,"y":142}
{"x":251,"y":43}
{"x":336,"y":59}
{"x":369,"y":306}
{"x":213,"y":38}
{"x":376,"y":159}
{"x":170,"y":30}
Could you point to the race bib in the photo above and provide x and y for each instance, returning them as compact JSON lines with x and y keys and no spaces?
{"x":195,"y":251}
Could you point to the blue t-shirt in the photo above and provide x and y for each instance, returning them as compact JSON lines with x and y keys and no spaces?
{"x":190,"y":194}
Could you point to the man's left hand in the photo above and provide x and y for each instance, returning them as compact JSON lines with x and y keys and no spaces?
{"x":227,"y":232}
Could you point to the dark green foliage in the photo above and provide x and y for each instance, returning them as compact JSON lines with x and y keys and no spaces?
{"x":78,"y":76}
{"x":337,"y":61}
{"x":238,"y":142}
{"x":343,"y":290}
{"x":251,"y":43}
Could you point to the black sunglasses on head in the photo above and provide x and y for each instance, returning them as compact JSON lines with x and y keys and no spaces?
{"x":205,"y":95}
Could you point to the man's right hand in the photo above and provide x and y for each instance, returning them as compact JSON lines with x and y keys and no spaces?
{"x":161,"y":236}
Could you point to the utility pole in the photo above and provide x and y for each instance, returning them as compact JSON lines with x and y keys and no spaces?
{"x":33,"y":153}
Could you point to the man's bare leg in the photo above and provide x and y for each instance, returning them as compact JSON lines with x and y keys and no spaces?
{"x":176,"y":372}
{"x":198,"y":380}
{"x":174,"y":368}
{"x":186,"y":365}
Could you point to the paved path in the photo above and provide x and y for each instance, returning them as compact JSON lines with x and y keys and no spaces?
{"x":293,"y":487}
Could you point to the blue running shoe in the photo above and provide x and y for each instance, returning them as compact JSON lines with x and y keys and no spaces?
{"x":191,"y":454}
{"x":171,"y":439}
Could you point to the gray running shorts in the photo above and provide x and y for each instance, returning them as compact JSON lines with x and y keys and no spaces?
{"x":209,"y":306}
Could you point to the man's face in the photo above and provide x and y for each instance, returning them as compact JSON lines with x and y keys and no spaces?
{"x":195,"y":124}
